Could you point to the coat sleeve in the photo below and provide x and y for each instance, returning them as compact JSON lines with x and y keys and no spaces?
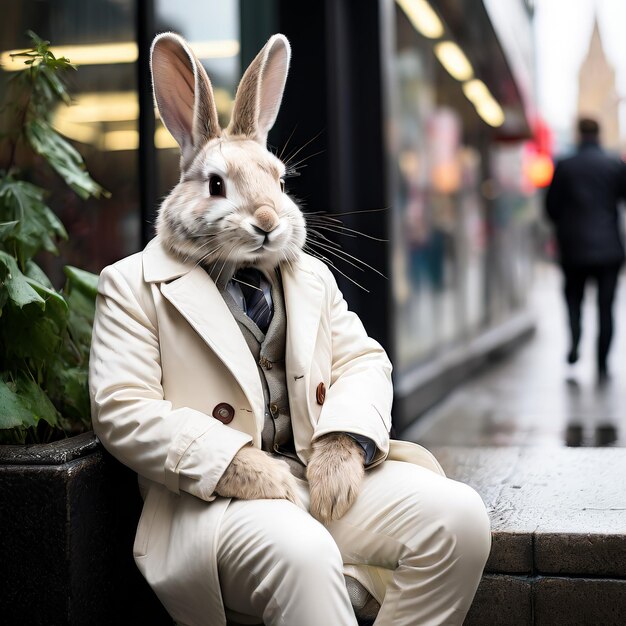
{"x":360,"y":393}
{"x":178,"y":447}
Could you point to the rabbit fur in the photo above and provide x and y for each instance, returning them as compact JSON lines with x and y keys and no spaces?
{"x":249,"y":220}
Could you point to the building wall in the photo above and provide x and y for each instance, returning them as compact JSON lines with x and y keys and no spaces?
{"x":597,"y":95}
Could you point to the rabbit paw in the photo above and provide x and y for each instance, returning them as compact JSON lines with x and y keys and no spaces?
{"x":335,"y":472}
{"x":254,"y":475}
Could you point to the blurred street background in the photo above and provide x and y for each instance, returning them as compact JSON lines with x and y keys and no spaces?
{"x":432,"y":127}
{"x":531,"y":396}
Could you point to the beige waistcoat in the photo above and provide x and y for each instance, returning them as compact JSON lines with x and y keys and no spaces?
{"x":268,"y":350}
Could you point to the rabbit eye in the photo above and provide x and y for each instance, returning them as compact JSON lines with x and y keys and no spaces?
{"x":216,"y":185}
{"x":282,"y":185}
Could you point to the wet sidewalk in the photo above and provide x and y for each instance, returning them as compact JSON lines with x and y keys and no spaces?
{"x":531,"y":396}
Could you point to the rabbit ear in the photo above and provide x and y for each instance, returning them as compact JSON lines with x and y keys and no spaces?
{"x":183,"y":94}
{"x":261,"y":90}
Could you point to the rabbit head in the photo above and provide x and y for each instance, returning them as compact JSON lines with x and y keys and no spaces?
{"x":229,"y":207}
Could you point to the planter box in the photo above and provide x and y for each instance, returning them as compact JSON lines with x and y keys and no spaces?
{"x":68,"y":513}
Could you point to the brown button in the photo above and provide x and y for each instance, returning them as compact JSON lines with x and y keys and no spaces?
{"x":273,"y":409}
{"x":224,"y":413}
{"x":320,"y":393}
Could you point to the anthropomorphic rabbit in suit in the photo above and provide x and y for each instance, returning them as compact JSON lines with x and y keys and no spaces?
{"x":228,"y":372}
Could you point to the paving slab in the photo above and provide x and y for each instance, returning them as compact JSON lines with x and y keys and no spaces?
{"x":558,"y":511}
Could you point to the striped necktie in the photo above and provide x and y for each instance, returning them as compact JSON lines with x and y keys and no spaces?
{"x":253,"y":286}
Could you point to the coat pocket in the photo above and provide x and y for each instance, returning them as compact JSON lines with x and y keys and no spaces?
{"x":146,"y":521}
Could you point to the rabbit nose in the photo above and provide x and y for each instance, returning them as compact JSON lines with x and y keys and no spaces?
{"x":266,"y":218}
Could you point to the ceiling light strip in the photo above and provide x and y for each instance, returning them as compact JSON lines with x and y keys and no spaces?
{"x":423,"y":17}
{"x":116,"y":53}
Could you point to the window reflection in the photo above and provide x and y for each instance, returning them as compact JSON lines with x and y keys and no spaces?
{"x":99,"y":36}
{"x":462,"y":259}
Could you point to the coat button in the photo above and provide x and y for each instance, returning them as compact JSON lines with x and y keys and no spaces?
{"x":224,"y":413}
{"x":320,"y":393}
{"x":273,"y":409}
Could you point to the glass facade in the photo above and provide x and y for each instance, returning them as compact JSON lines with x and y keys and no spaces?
{"x":101,"y":123}
{"x":514,"y":216}
{"x":459,"y":230}
{"x":459,"y":219}
{"x":103,"y":120}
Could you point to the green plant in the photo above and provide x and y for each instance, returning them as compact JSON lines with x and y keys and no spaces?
{"x":44,"y":333}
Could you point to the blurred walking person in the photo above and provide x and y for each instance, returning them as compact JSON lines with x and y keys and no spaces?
{"x":582,"y":202}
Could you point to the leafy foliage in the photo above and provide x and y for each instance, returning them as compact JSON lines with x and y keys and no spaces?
{"x":44,"y":334}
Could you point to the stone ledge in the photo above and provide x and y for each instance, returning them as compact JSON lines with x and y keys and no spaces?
{"x":554,"y":511}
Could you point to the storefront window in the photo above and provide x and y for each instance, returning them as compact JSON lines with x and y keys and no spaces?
{"x":514,"y":213}
{"x":101,"y":123}
{"x":461,"y":218}
{"x":439,"y":219}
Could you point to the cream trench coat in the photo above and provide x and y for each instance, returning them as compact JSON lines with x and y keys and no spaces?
{"x":166,"y":350}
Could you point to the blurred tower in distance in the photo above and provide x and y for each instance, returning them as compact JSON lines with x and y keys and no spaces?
{"x":597,"y":96}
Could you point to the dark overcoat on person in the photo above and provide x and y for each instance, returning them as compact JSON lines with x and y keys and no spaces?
{"x":582,"y":202}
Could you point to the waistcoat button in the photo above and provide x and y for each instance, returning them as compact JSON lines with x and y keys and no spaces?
{"x":224,"y":413}
{"x":273,"y":409}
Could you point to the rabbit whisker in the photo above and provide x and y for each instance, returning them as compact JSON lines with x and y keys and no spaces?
{"x":321,"y":216}
{"x":334,"y":251}
{"x":329,"y":262}
{"x":204,"y":245}
{"x":293,"y":155}
{"x":280,"y":156}
{"x":362,"y":211}
{"x":338,"y":229}
{"x":298,"y":164}
{"x":339,"y":251}
{"x":332,"y":230}
{"x":213,"y":251}
{"x":208,"y":254}
{"x":243,"y":282}
{"x":311,"y":229}
{"x":202,"y":236}
{"x":225,"y":261}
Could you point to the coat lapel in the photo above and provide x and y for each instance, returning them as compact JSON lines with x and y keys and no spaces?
{"x":304,"y":294}
{"x":198,"y":300}
{"x":195,"y":295}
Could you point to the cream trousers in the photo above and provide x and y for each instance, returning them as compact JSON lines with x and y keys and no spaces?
{"x":423,"y":537}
